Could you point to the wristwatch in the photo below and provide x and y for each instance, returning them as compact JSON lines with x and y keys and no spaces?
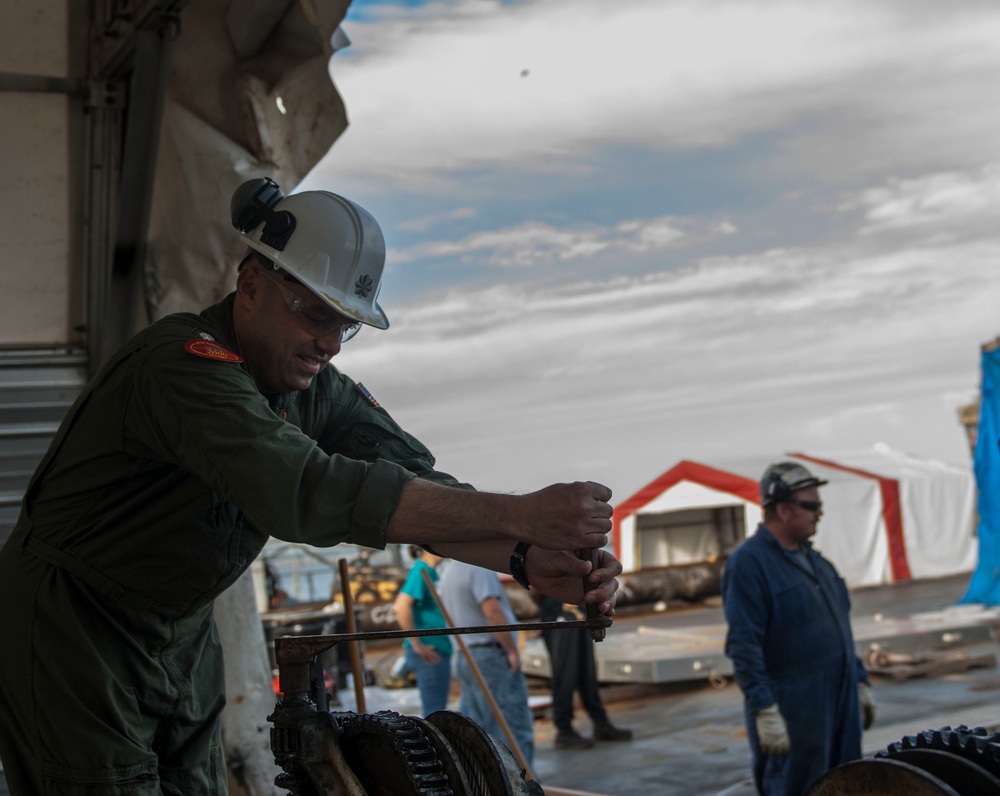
{"x":518,"y":563}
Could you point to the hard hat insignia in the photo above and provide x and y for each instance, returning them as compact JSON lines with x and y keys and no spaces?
{"x":210,"y":350}
{"x":363,"y":286}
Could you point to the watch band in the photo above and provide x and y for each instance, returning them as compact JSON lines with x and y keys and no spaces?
{"x":518,"y":563}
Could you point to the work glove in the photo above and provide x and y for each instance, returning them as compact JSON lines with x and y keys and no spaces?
{"x":772,"y":732}
{"x":867,"y":700}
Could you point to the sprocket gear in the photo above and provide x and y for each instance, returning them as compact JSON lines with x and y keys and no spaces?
{"x":879,"y":778}
{"x":451,"y":759}
{"x":961,"y":774}
{"x":977,"y":745}
{"x":391,"y":755}
{"x":491,"y":767}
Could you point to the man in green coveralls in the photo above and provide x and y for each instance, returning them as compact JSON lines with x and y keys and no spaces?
{"x":201,"y":437}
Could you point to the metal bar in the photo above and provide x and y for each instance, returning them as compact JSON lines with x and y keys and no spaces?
{"x":45,"y":84}
{"x":135,"y":191}
{"x":103,"y":167}
{"x":141,"y":137}
{"x":592,"y":555}
{"x":64,"y":355}
{"x":352,"y":646}
{"x":117,"y":44}
{"x":34,"y":430}
{"x":301,"y":649}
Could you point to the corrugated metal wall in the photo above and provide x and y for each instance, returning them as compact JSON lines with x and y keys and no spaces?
{"x":36,"y":389}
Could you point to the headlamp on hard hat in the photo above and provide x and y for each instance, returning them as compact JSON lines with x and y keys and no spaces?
{"x":252,"y":203}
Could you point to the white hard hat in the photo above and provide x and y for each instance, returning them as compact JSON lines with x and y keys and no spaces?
{"x":332,"y":245}
{"x":780,"y":480}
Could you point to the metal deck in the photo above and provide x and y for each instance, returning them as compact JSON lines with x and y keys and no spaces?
{"x":658,"y":653}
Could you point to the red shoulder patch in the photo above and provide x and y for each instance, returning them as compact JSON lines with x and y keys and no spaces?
{"x":208,"y":350}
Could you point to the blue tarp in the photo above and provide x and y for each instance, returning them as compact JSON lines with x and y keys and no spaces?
{"x":985,"y":584}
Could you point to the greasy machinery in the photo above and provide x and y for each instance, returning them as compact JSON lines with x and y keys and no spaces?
{"x":324,"y":753}
{"x":945,"y":762}
{"x":329,"y":753}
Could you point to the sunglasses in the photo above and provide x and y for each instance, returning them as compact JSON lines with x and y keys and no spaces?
{"x":808,"y":505}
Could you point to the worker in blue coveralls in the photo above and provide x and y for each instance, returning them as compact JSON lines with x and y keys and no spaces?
{"x":806,"y":692}
{"x":201,"y":437}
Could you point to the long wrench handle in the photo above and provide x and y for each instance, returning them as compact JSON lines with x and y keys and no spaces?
{"x":592,"y":555}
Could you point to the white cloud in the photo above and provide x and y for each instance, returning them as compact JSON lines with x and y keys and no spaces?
{"x":657,"y":234}
{"x":431,"y":220}
{"x":754,"y":304}
{"x":952,"y":198}
{"x":440,"y":88}
{"x":807,"y":347}
{"x":531,"y":243}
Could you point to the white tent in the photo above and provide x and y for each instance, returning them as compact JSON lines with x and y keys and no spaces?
{"x":887,"y":516}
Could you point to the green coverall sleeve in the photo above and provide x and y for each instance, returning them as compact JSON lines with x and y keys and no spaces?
{"x":363,"y":429}
{"x":208,"y":417}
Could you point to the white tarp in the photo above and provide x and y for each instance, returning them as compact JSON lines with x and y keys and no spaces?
{"x":249,"y":94}
{"x":887,"y":516}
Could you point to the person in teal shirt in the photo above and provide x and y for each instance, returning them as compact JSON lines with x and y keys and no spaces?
{"x":429,"y":658}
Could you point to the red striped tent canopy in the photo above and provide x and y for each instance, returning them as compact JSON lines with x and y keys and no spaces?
{"x":887,"y":516}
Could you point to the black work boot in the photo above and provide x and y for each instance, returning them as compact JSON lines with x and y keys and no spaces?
{"x":609,"y":732}
{"x":571,"y":739}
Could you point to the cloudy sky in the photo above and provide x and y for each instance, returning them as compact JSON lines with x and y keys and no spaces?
{"x":627,"y":233}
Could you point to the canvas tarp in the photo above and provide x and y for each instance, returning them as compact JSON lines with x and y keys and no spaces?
{"x":985,"y":584}
{"x":887,"y":516}
{"x":248,"y":94}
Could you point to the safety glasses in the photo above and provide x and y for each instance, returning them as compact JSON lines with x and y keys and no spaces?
{"x":313,"y":319}
{"x":808,"y":505}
